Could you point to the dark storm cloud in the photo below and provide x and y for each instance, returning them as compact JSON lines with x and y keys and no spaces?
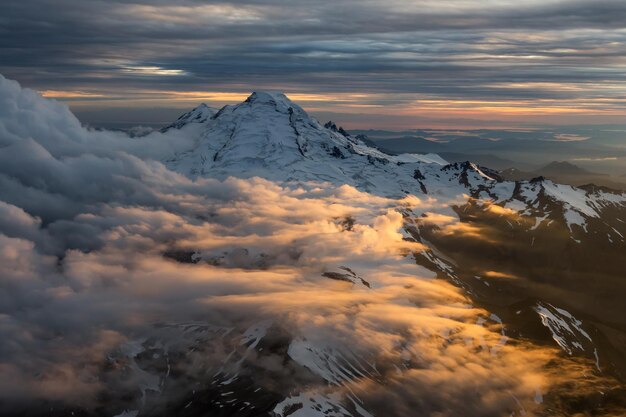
{"x":453,"y":48}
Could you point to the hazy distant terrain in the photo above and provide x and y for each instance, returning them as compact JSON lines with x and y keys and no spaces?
{"x":599,"y":150}
{"x":567,"y":173}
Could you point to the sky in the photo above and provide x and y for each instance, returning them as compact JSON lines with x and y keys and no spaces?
{"x":367,"y":64}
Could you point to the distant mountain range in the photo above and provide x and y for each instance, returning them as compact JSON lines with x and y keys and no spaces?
{"x":597,"y":149}
{"x":566,"y":173}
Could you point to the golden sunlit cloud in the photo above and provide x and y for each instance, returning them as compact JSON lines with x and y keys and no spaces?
{"x":406,"y":108}
{"x":498,"y":274}
{"x":502,"y":211}
{"x":69,"y":94}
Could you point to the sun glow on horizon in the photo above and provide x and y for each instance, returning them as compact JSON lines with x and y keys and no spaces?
{"x":382,"y":109}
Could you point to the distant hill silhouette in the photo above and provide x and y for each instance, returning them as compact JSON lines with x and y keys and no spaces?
{"x":563,"y":168}
{"x":566,"y":173}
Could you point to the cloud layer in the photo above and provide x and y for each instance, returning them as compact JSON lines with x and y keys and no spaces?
{"x":429,"y":60}
{"x":103,"y":252}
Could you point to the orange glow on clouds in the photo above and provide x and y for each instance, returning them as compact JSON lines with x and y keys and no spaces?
{"x":69,"y":94}
{"x":402,"y":110}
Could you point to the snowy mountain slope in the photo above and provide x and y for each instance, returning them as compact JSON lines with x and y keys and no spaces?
{"x":271,"y":137}
{"x":200,"y":114}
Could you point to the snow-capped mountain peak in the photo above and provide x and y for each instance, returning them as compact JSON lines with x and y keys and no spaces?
{"x":272,"y":98}
{"x":200,"y":114}
{"x":332,"y":126}
{"x":270,"y":136}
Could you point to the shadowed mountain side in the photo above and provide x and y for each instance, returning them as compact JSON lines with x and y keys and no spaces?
{"x":510,"y":263}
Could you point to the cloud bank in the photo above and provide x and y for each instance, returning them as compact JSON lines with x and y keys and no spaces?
{"x":427,"y":60}
{"x":110,"y":263}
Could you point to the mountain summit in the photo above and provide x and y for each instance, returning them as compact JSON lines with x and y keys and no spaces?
{"x":562,"y":168}
{"x":272,"y":98}
{"x":270,"y":136}
{"x":200,"y":114}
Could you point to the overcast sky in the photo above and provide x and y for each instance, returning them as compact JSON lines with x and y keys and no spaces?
{"x":392,"y":63}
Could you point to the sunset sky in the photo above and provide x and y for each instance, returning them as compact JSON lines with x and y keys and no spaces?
{"x":368,"y":64}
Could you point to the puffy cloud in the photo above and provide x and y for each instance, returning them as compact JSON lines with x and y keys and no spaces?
{"x":104,"y":252}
